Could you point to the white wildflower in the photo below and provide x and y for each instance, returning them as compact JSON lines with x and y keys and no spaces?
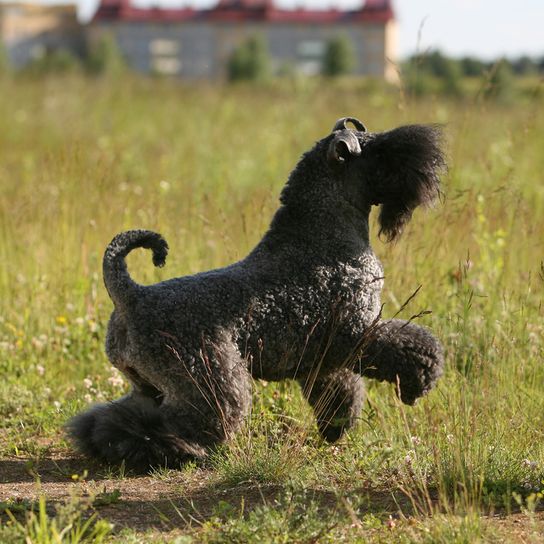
{"x":116,"y":381}
{"x":409,"y":458}
{"x":37,"y":343}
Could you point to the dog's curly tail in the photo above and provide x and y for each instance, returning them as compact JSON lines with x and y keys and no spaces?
{"x":135,"y":433}
{"x":116,"y":277}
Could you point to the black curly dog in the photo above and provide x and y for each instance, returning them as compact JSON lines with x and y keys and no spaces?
{"x":303,"y":305}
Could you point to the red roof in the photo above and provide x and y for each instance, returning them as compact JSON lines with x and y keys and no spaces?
{"x":379,"y":11}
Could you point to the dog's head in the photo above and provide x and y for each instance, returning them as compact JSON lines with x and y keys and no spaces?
{"x":397,"y":170}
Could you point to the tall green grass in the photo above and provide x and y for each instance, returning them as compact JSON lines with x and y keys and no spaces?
{"x":83,"y":159}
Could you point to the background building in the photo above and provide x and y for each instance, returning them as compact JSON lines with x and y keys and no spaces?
{"x":196,"y":43}
{"x":30,"y":31}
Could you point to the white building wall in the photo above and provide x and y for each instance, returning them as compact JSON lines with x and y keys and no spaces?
{"x":201,"y":50}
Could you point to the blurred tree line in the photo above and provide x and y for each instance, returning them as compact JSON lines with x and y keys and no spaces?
{"x":440,"y":65}
{"x":435,"y":72}
{"x":423,"y":73}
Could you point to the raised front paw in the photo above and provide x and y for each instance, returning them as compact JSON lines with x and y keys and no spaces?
{"x":408,"y":356}
{"x":419,"y":374}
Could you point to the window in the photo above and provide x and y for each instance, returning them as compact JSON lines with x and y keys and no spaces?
{"x":166,"y":65}
{"x":310,"y":56}
{"x":165,"y":56}
{"x":164,"y":47}
{"x":311,"y":49}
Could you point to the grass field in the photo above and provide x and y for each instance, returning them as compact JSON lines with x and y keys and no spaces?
{"x":82,"y":159}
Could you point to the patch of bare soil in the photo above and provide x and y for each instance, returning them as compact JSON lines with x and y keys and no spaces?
{"x":519,"y":527}
{"x":161,"y":502}
{"x":174,"y":501}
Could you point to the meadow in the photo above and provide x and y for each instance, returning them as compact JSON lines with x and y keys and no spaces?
{"x":82,"y":159}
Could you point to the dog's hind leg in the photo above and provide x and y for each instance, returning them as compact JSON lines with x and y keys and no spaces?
{"x":173,"y":415}
{"x":336,"y":399}
{"x":215,"y":397}
{"x":405,"y":354}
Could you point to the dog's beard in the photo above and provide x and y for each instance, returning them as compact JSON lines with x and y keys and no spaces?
{"x":407,"y":163}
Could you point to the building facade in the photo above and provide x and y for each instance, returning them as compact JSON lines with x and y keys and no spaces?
{"x":31,"y":31}
{"x":196,"y":44}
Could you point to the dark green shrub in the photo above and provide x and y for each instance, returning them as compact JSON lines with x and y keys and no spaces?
{"x":54,"y":61}
{"x":433,"y":72}
{"x":472,"y":67}
{"x":105,"y":57}
{"x":524,"y":66}
{"x":249,"y":61}
{"x":500,"y":82}
{"x":338,"y":58}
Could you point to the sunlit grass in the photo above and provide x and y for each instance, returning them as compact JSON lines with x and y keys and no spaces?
{"x":81,"y":160}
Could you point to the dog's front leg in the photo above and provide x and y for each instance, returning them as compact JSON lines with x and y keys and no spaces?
{"x":336,"y":399}
{"x":405,"y":354}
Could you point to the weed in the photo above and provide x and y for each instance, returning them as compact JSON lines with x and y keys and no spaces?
{"x":68,"y":526}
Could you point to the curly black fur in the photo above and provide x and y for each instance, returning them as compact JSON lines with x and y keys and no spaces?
{"x":139,"y":435}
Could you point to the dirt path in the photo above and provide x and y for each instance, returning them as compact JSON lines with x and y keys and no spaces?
{"x":176,"y":501}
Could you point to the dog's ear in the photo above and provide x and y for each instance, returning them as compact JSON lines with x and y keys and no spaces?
{"x":343,"y":145}
{"x":404,"y":167}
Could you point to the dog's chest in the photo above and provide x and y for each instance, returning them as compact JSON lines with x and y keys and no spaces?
{"x":290,"y":322}
{"x":357,"y":280}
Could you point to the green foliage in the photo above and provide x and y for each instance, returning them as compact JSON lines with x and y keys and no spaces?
{"x":106,"y":498}
{"x":437,"y":64}
{"x":16,"y":506}
{"x":271,"y":449}
{"x":452,"y":79}
{"x":299,"y":516}
{"x":56,"y":61}
{"x":338,"y":58}
{"x":524,"y":66}
{"x":441,"y":529}
{"x":4,"y":61}
{"x":500,"y":82}
{"x":436,"y":73}
{"x":105,"y":57}
{"x":417,"y":84}
{"x":68,"y":526}
{"x":423,"y":69}
{"x":290,"y":518}
{"x":472,"y":67}
{"x":249,"y":61}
